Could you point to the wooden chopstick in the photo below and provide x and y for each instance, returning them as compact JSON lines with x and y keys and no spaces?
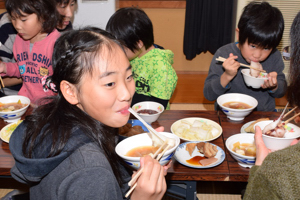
{"x":221,"y":59}
{"x":289,"y":112}
{"x":2,"y":84}
{"x":145,"y":123}
{"x":162,"y":153}
{"x":290,"y":119}
{"x":141,"y":170}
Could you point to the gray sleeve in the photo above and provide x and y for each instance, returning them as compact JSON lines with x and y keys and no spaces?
{"x":278,"y":67}
{"x":212,"y":86}
{"x":90,"y":183}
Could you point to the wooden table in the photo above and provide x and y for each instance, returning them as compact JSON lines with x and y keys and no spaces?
{"x":181,"y":172}
{"x":229,"y":170}
{"x":236,"y":172}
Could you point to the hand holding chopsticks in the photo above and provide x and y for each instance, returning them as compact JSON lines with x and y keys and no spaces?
{"x":159,"y":140}
{"x":221,"y":59}
{"x":134,"y":179}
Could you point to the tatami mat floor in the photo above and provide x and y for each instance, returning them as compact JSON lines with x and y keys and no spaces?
{"x":3,"y":192}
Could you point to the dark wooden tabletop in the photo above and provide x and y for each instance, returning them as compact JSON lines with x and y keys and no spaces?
{"x":229,"y":170}
{"x":6,"y":159}
{"x":236,"y":172}
{"x":181,"y":172}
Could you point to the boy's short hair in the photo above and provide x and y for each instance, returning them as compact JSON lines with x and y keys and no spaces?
{"x":261,"y":24}
{"x":44,"y":9}
{"x":131,"y":25}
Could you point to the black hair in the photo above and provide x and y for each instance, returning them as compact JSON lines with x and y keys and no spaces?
{"x":131,"y":25}
{"x":63,"y":3}
{"x":293,"y":91}
{"x":44,"y":9}
{"x":75,"y":54}
{"x":261,"y":24}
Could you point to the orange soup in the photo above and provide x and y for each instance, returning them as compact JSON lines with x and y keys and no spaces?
{"x":236,"y":105}
{"x":141,"y":151}
{"x":7,"y":107}
{"x":245,"y":149}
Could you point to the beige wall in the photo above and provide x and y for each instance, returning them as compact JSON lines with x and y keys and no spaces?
{"x":169,"y":31}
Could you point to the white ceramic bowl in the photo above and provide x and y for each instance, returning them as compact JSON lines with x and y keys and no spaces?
{"x":143,"y":140}
{"x":244,"y":161}
{"x":275,"y":143}
{"x":149,"y":105}
{"x":252,"y":81}
{"x":236,"y":114}
{"x":14,"y":116}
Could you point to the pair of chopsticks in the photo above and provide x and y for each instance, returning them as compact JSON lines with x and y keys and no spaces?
{"x":2,"y":86}
{"x":221,"y":59}
{"x":133,"y":180}
{"x":164,"y":141}
{"x":290,"y":119}
{"x":147,"y":125}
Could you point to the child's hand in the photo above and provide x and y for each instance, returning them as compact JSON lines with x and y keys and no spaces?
{"x":151,"y":184}
{"x":271,"y":83}
{"x":2,"y":67}
{"x":231,"y":66}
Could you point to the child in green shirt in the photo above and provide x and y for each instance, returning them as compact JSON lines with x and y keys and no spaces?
{"x":155,"y":78}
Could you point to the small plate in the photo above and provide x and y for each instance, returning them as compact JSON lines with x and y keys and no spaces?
{"x":245,"y":126}
{"x":136,"y":122}
{"x":6,"y":131}
{"x":182,"y":155}
{"x":191,"y":120}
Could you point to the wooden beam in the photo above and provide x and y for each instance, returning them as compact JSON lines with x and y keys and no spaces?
{"x":152,"y":4}
{"x":2,"y":4}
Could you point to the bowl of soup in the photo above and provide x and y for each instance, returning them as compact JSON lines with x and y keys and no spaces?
{"x":242,"y":148}
{"x":13,"y":107}
{"x":254,"y":82}
{"x":133,"y":148}
{"x":148,"y":110}
{"x":236,"y":106}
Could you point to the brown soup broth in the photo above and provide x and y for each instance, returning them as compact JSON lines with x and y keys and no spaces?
{"x":147,"y":111}
{"x":236,"y":105}
{"x":141,"y":151}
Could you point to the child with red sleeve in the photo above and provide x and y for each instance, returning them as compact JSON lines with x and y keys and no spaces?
{"x":35,"y":22}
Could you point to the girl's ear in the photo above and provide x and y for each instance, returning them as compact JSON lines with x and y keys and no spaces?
{"x":140,"y":44}
{"x":69,"y":92}
{"x":237,"y":32}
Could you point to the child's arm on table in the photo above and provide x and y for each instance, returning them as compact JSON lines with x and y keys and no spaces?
{"x":10,"y":81}
{"x":231,"y":67}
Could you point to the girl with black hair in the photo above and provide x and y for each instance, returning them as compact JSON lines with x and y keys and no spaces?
{"x":65,"y":149}
{"x":35,"y":21}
